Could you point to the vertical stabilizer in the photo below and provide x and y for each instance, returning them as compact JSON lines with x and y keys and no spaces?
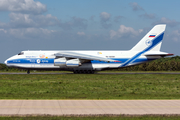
{"x":152,"y":40}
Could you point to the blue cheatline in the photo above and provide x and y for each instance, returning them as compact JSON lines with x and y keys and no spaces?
{"x":51,"y":61}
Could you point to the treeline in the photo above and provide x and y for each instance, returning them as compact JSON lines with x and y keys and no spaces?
{"x":3,"y":67}
{"x":163,"y":64}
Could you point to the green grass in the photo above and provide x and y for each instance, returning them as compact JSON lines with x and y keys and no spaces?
{"x":106,"y":71}
{"x":37,"y":71}
{"x":95,"y":118}
{"x":90,"y":86}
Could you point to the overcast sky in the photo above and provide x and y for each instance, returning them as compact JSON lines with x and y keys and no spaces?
{"x":84,"y":24}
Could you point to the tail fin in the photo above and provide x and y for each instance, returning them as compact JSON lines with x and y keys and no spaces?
{"x":152,"y":40}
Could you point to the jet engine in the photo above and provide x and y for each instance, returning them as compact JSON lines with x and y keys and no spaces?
{"x":63,"y":62}
{"x":60,"y":62}
{"x":73,"y":63}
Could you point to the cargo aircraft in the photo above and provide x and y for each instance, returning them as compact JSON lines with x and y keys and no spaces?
{"x":147,"y":49}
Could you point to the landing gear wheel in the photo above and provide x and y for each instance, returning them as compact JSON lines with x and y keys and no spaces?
{"x":92,"y":72}
{"x":28,"y":72}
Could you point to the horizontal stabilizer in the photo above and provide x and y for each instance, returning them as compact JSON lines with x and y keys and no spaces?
{"x":165,"y":54}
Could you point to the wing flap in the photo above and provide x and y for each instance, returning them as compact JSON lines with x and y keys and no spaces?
{"x":82,"y":56}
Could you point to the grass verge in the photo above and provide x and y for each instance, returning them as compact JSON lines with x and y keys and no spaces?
{"x":93,"y":86}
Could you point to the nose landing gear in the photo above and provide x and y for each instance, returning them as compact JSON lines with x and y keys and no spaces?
{"x":28,"y":72}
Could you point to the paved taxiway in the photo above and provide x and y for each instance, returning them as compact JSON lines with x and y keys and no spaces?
{"x":34,"y":73}
{"x":89,"y":107}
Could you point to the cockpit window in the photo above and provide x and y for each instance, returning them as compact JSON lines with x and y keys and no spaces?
{"x":21,"y":53}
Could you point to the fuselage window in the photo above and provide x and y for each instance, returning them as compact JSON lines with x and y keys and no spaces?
{"x":21,"y":53}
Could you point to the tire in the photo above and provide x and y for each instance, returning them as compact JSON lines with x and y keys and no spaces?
{"x":28,"y":72}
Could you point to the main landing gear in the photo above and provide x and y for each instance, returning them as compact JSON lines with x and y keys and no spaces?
{"x":83,"y":71}
{"x":28,"y":71}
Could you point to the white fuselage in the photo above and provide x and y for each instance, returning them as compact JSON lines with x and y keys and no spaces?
{"x":45,"y":60}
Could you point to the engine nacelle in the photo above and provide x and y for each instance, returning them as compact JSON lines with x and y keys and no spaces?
{"x":73,"y":63}
{"x":63,"y":62}
{"x":60,"y":62}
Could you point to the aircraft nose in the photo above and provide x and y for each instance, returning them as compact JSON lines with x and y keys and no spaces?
{"x":5,"y":62}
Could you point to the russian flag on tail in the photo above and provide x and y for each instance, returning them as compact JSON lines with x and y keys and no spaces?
{"x":152,"y":35}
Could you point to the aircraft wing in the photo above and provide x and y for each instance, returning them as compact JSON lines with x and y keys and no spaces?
{"x":82,"y":56}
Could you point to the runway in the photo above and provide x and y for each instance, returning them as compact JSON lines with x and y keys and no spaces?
{"x":89,"y":107}
{"x":110,"y":73}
